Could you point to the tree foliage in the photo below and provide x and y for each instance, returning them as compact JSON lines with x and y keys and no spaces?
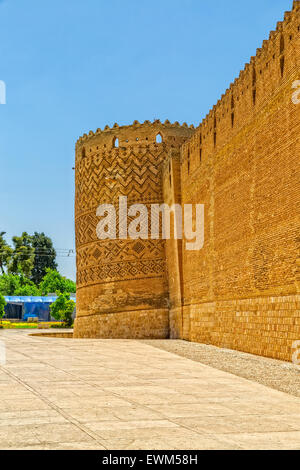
{"x":31,"y":255}
{"x":29,"y":268}
{"x":45,"y":256}
{"x":2,"y":305}
{"x":62,"y":309}
{"x":13,"y":284}
{"x":5,"y":252}
{"x":55,"y":282}
{"x":26,"y":287}
{"x":22,"y":259}
{"x":9,"y":284}
{"x":20,"y":285}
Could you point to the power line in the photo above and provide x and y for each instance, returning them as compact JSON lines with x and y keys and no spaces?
{"x":60,"y":253}
{"x":48,"y":256}
{"x":50,"y":250}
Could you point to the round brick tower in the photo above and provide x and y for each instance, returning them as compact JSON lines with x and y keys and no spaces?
{"x":122,"y":288}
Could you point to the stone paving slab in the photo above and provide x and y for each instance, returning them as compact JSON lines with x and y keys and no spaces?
{"x":120,"y":394}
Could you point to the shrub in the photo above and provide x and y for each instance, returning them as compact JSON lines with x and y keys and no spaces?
{"x":2,"y":305}
{"x":62,"y":309}
{"x":19,"y":326}
{"x":60,"y":325}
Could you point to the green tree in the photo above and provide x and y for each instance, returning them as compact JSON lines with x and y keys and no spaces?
{"x":5,"y":252}
{"x":9,"y":283}
{"x":55,"y":282}
{"x":45,"y":256}
{"x":22,"y":260}
{"x":27,"y":291}
{"x":62,"y":309}
{"x":26,"y":287}
{"x":2,"y":305}
{"x":13,"y":284}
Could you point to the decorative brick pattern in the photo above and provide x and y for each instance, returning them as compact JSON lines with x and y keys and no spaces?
{"x":119,"y":280}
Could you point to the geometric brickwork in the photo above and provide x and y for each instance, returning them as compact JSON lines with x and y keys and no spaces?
{"x":106,"y":169}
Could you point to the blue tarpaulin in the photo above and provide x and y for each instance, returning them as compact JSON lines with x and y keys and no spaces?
{"x":32,"y":306}
{"x":23,"y":299}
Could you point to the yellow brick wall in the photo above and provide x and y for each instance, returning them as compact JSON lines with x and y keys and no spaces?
{"x":139,"y":324}
{"x":266,"y":326}
{"x":241,"y":290}
{"x":173,"y":247}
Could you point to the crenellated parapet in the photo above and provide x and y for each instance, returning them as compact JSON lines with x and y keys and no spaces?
{"x":137,"y":134}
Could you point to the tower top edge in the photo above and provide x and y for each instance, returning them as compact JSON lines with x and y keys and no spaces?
{"x":155,"y":125}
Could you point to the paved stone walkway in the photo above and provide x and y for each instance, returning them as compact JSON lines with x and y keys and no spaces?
{"x":117,"y":394}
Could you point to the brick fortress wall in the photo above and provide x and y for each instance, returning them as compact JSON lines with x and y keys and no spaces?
{"x":242,"y":290}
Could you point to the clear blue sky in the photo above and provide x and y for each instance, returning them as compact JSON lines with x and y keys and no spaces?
{"x":71,"y":66}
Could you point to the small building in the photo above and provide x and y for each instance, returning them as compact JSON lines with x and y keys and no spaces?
{"x":22,"y":308}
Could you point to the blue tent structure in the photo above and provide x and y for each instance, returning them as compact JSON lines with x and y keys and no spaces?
{"x":22,"y":308}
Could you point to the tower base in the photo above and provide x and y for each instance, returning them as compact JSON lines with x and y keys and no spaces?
{"x":139,"y":324}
